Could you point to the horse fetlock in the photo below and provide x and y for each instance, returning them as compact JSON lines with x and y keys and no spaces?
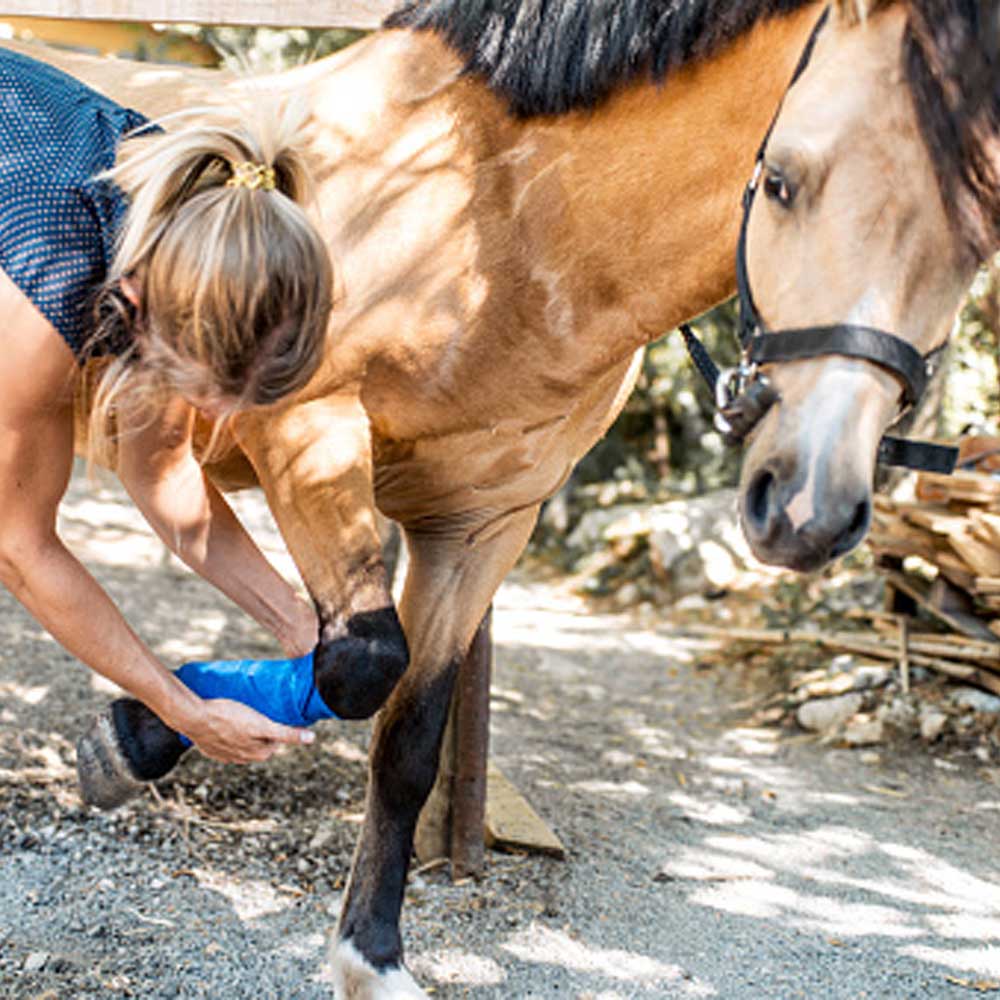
{"x":357,"y":668}
{"x":355,"y":978}
{"x":126,"y":747}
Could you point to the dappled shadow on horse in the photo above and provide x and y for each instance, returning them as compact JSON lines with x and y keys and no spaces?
{"x":505,"y":240}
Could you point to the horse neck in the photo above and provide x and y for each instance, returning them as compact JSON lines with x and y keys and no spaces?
{"x":652,"y":180}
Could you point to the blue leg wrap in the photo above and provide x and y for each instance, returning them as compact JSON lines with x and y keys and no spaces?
{"x":283,"y":690}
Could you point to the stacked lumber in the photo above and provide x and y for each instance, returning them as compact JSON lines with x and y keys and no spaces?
{"x":952,"y":525}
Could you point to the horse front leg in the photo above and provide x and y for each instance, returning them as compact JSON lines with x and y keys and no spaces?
{"x":449,"y":586}
{"x":314,"y":463}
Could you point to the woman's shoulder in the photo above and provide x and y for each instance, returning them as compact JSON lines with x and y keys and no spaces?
{"x":25,"y":78}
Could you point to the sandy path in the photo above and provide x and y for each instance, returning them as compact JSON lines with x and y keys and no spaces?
{"x":707,"y":858}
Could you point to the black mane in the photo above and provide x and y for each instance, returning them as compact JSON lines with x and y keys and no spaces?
{"x":952,"y":62}
{"x":551,"y":56}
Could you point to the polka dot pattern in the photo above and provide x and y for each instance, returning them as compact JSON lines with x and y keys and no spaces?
{"x":57,"y":223}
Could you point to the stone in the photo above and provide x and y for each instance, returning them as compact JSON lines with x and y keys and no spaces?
{"x":932,"y":723}
{"x":900,"y":713}
{"x":864,"y":732}
{"x":628,"y":595}
{"x":978,"y":701}
{"x":695,"y":545}
{"x":35,"y":962}
{"x":823,"y":714}
{"x":323,"y":835}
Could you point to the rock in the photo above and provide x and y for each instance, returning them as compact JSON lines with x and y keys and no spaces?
{"x":899,"y":713}
{"x":978,"y":701}
{"x":864,"y":732}
{"x":932,"y":723}
{"x":35,"y":962}
{"x":845,"y":675}
{"x":824,"y":714}
{"x":628,"y":595}
{"x":323,"y":835}
{"x":842,"y":663}
{"x":618,"y":758}
{"x":695,"y":546}
{"x":593,"y":528}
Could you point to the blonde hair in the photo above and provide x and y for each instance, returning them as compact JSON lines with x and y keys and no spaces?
{"x":233,"y":280}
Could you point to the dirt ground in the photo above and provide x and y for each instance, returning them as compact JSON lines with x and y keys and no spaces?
{"x":709,"y":856}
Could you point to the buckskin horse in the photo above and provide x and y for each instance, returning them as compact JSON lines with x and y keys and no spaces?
{"x":517,"y":197}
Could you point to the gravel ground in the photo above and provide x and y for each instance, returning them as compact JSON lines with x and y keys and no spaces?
{"x":709,"y":855}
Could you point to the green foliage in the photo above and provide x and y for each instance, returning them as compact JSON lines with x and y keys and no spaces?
{"x":664,"y":442}
{"x":972,"y":396}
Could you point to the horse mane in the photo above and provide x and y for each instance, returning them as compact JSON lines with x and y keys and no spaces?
{"x":547,"y":57}
{"x":952,"y":63}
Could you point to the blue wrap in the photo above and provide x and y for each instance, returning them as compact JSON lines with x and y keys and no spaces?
{"x":283,"y":690}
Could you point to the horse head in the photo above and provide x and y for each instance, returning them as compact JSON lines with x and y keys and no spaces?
{"x":876,"y":196}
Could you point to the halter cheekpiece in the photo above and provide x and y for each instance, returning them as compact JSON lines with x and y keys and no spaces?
{"x":743,"y":395}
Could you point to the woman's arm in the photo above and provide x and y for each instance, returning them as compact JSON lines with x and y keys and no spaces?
{"x":36,"y":453}
{"x":159,"y":470}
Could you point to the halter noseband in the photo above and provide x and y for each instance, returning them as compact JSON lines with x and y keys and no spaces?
{"x":743,"y":396}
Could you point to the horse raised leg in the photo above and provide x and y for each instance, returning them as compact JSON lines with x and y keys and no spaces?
{"x":314,"y":462}
{"x":452,"y":577}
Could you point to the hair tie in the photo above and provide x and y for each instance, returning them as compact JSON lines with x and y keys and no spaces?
{"x":252,"y":176}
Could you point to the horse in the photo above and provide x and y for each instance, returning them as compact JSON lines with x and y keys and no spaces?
{"x":878,"y":196}
{"x":517,"y":198}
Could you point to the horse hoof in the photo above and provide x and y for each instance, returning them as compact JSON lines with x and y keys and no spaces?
{"x":355,"y":978}
{"x":127,"y":747}
{"x":102,"y":769}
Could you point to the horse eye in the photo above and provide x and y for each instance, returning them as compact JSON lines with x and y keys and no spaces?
{"x":778,"y":188}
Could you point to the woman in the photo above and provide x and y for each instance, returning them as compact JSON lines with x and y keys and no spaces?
{"x":194,"y":267}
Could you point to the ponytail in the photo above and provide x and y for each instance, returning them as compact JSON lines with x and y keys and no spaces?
{"x":233,"y":281}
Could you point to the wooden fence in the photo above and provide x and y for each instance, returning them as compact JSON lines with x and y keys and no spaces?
{"x":289,"y":13}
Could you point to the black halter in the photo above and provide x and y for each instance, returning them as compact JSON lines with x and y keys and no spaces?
{"x":743,"y":395}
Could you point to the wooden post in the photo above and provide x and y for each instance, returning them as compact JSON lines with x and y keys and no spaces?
{"x":451,"y":825}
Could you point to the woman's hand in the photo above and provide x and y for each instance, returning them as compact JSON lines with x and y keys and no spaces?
{"x":233,"y":733}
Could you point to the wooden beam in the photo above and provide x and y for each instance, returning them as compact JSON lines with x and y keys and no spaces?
{"x":288,"y":13}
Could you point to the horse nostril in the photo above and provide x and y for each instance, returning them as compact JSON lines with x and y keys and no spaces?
{"x":855,"y":530}
{"x":759,"y":501}
{"x":759,"y":497}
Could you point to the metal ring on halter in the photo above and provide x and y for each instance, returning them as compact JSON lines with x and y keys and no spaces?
{"x":728,"y":387}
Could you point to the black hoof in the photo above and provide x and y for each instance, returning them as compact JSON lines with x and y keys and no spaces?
{"x":126,"y":747}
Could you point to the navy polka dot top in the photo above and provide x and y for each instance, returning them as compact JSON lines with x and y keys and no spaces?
{"x":57,"y":223}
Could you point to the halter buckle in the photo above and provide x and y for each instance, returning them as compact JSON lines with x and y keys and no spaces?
{"x":729,"y":387}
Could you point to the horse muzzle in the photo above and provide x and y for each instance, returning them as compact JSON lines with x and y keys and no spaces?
{"x":777,"y":532}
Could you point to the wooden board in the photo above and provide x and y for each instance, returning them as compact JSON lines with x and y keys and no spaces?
{"x":981,"y":558}
{"x":961,"y":622}
{"x":511,"y":823}
{"x":291,"y":13}
{"x":936,"y":521}
{"x":961,"y":487}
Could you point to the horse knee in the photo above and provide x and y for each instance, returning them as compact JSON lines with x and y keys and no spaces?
{"x":357,"y":669}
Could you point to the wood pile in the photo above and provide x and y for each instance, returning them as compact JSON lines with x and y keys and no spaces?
{"x":953,"y":526}
{"x":942,"y":609}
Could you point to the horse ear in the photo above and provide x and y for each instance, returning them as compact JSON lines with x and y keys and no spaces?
{"x":852,"y":12}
